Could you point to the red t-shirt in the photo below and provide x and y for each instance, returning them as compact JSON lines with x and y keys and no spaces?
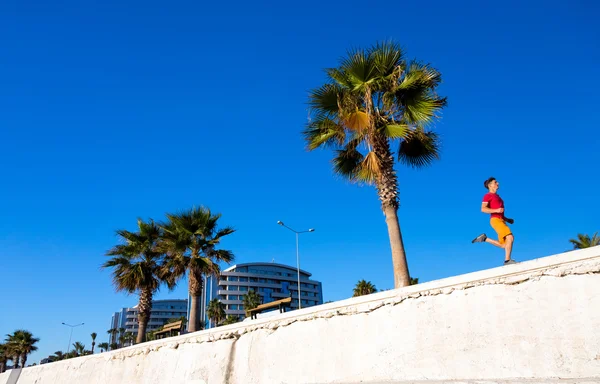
{"x":494,"y":202}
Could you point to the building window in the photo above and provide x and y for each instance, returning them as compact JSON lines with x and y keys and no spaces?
{"x":243,"y":279}
{"x":232,"y":278}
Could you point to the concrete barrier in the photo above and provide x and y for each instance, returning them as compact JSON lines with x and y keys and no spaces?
{"x":10,"y":377}
{"x":533,"y":322}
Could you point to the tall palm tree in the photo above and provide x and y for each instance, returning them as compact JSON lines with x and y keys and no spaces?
{"x":376,"y":99}
{"x":3,"y":358}
{"x":251,"y":300}
{"x":103,"y":346}
{"x":585,"y":241}
{"x":216,"y":311}
{"x":364,"y":287}
{"x":137,"y":268}
{"x":190,"y":239}
{"x":93,"y":335}
{"x":21,"y":343}
{"x":78,"y":348}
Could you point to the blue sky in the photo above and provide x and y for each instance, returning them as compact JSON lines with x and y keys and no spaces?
{"x":115,"y":110}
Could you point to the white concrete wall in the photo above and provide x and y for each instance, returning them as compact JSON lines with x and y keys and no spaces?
{"x":10,"y":376}
{"x":535,"y":322}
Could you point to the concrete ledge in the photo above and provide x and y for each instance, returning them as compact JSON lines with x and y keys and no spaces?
{"x":531,"y":322}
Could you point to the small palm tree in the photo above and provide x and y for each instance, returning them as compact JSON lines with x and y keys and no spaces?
{"x":78,"y":348}
{"x":122,"y":339}
{"x":129,"y":338}
{"x":93,"y":335}
{"x":251,"y":300}
{"x":103,"y":346}
{"x":113,"y":346}
{"x":414,"y":280}
{"x":231,"y":319}
{"x":364,"y":287}
{"x":585,"y":241}
{"x":216,"y":311}
{"x":21,"y":343}
{"x":190,"y":239}
{"x":373,"y":109}
{"x":58,"y":355}
{"x":3,"y":358}
{"x":138,"y":268}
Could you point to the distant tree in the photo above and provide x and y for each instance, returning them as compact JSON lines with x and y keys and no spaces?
{"x":3,"y":358}
{"x":113,"y":346}
{"x":251,"y":300}
{"x":364,"y":287}
{"x":103,"y":347}
{"x":20,"y":344}
{"x":78,"y":348}
{"x":129,"y":338}
{"x":231,"y":319}
{"x":190,"y":240}
{"x":58,"y":355}
{"x":216,"y":311}
{"x":138,"y":267}
{"x":414,"y":280}
{"x":93,"y":335}
{"x":585,"y":241}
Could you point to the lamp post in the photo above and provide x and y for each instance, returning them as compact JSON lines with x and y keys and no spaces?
{"x":71,"y":326}
{"x":297,"y":257}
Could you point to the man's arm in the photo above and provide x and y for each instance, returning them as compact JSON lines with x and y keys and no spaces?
{"x":486,"y":209}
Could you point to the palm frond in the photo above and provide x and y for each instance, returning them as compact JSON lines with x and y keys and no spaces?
{"x":323,"y":132}
{"x":360,"y":69}
{"x":419,"y":149}
{"x":346,"y":162}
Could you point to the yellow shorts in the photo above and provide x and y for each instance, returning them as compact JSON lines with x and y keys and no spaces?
{"x":501,"y":229}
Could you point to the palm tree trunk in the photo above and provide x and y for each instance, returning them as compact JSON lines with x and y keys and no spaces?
{"x":195,"y":290}
{"x":23,"y":360}
{"x":401,"y":274}
{"x":15,"y":361}
{"x":93,"y":345}
{"x":145,"y":310}
{"x":387,"y":188}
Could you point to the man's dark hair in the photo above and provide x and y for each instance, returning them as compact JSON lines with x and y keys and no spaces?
{"x":488,"y":181}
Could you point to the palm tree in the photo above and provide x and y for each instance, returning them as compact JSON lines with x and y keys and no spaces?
{"x":113,"y":333}
{"x":103,"y":346}
{"x":374,"y":99}
{"x":585,"y":241}
{"x":113,"y":346}
{"x":364,"y":287}
{"x":414,"y":280}
{"x":216,"y":311}
{"x":137,"y":268}
{"x":190,"y":239}
{"x":93,"y":335}
{"x":78,"y":348}
{"x":3,"y":358}
{"x":231,"y":319}
{"x":58,"y":355}
{"x":129,"y":338}
{"x":21,"y":343}
{"x":251,"y":300}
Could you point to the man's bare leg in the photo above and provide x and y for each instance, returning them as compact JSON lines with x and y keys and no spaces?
{"x":508,"y":245}
{"x":494,"y":242}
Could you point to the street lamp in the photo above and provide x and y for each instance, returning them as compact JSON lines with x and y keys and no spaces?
{"x":72,"y":326}
{"x":297,"y":257}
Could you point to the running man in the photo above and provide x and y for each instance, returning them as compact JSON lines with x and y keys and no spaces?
{"x":494,"y":205}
